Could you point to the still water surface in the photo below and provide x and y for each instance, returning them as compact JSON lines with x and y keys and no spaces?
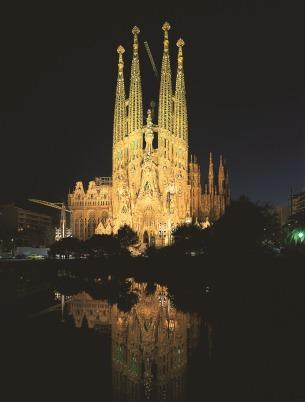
{"x":152,"y":342}
{"x":113,"y":339}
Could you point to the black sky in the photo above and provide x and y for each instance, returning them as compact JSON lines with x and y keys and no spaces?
{"x":245,"y":77}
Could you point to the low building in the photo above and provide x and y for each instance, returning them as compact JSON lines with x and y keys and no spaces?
{"x":283,"y":214}
{"x":298,"y":203}
{"x":23,"y":227}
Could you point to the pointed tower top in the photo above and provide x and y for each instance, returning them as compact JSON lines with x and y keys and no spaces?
{"x":121,"y":51}
{"x":180,"y":43}
{"x":211,"y":158}
{"x":220,"y":160}
{"x":166,"y":27}
{"x":135,"y":31}
{"x":135,"y":108}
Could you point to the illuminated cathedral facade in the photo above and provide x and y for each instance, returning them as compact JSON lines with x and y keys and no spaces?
{"x":155,"y":186}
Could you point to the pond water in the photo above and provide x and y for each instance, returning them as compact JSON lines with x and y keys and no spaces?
{"x":124,"y":339}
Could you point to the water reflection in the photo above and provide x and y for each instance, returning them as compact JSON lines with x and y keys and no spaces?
{"x":151,"y":343}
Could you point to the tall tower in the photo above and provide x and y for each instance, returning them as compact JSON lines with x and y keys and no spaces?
{"x":121,"y":207}
{"x":180,"y":126}
{"x":165,"y":95}
{"x":135,"y":104}
{"x":119,"y":121}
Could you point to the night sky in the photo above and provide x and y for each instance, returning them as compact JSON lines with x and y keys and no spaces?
{"x":245,"y":81}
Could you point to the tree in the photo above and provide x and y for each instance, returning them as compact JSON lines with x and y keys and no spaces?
{"x":103,"y":245}
{"x":246,"y":227}
{"x":65,"y":247}
{"x":189,"y":237}
{"x":127,"y":236}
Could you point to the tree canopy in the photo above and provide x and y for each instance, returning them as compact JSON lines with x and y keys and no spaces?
{"x":127,"y":236}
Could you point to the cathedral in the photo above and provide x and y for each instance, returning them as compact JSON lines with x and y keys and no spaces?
{"x":155,"y":185}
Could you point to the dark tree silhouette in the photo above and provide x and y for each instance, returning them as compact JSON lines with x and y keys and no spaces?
{"x":189,"y":238}
{"x":127,"y":236}
{"x":103,"y":245}
{"x":65,"y":247}
{"x":246,"y":227}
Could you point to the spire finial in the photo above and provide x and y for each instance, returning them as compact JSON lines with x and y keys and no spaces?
{"x":149,"y":119}
{"x":135,"y":31}
{"x":180,"y":43}
{"x":166,"y":27}
{"x":121,"y":51}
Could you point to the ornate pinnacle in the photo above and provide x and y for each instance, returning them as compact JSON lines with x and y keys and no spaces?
{"x":180,"y":43}
{"x":166,"y":27}
{"x":120,"y":51}
{"x":148,"y":119}
{"x":135,"y":31}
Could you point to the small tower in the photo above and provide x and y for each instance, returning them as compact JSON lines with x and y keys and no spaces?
{"x":211,"y":175}
{"x":195,"y":188}
{"x":221,"y":177}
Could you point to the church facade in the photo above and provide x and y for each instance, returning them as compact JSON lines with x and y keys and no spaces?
{"x":154,"y":186}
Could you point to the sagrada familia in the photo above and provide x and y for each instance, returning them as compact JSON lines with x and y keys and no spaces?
{"x":155,"y":186}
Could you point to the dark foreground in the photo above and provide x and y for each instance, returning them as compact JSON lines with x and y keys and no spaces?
{"x":249,"y":347}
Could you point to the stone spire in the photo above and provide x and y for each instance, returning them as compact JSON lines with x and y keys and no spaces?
{"x":180,"y":128}
{"x":119,"y":121}
{"x":135,"y":108}
{"x":221,"y":177}
{"x":165,"y":95}
{"x":211,"y":175}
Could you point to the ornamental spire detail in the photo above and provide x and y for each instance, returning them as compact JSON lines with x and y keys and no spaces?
{"x":221,"y":177}
{"x":119,"y":121}
{"x":135,"y":109}
{"x":211,"y":175}
{"x":180,"y":128}
{"x":165,"y":95}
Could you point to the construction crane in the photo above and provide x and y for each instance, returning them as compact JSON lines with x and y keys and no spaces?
{"x":152,"y":62}
{"x":57,"y":205}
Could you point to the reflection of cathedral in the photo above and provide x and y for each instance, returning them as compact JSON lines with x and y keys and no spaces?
{"x":153,"y":186}
{"x":150,"y":343}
